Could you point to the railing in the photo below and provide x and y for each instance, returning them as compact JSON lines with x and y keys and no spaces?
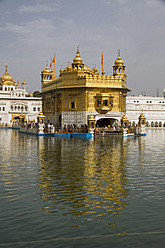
{"x":108,"y":131}
{"x":71,"y":129}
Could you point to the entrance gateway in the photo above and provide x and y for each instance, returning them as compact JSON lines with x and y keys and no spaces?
{"x":107,"y":120}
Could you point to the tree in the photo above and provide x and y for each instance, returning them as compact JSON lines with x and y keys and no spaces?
{"x":37,"y":94}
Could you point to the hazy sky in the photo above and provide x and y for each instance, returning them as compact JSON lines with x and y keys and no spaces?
{"x":31,"y":31}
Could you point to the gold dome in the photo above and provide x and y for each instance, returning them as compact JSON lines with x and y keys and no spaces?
{"x":91,"y":117}
{"x":77,"y":59}
{"x":124,"y":117}
{"x":41,"y":114}
{"x":47,"y":70}
{"x":142,"y":115}
{"x":6,"y":78}
{"x":119,"y":60}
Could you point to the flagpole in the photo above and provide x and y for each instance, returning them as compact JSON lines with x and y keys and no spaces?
{"x":54,"y":66}
{"x":102,"y":62}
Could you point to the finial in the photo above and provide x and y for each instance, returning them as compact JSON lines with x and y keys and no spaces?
{"x":118,"y":52}
{"x":78,"y":49}
{"x":6,"y":67}
{"x":46,"y":63}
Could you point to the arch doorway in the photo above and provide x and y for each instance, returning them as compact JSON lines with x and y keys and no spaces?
{"x":18,"y":118}
{"x":108,"y":122}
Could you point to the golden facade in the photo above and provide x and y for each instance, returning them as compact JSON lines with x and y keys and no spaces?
{"x":79,"y":92}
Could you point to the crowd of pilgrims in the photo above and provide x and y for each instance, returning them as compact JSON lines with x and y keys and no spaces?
{"x":49,"y":128}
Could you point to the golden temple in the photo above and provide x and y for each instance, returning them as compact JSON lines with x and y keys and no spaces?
{"x":79,"y":92}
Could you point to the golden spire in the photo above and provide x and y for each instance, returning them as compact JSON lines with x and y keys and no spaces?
{"x":118,"y":52}
{"x":78,"y":51}
{"x":6,"y":67}
{"x":77,"y":59}
{"x":119,"y":61}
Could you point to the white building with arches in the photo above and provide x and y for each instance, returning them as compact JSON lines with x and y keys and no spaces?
{"x":153,"y":108}
{"x":15,"y":103}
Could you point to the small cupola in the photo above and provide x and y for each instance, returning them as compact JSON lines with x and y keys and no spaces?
{"x":119,"y":67}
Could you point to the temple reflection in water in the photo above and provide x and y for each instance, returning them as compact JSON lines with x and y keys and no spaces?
{"x":83,"y":177}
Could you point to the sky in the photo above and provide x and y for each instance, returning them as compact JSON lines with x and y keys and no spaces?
{"x":32,"y":31}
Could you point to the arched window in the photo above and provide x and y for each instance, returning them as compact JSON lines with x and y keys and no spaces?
{"x":160,"y":124}
{"x":152,"y":124}
{"x":92,"y":124}
{"x":105,"y":103}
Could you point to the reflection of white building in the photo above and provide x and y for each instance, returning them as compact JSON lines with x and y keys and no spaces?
{"x":152,"y":107}
{"x":15,"y":102}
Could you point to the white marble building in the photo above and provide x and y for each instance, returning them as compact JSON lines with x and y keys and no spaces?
{"x":152,"y":107}
{"x":15,"y":103}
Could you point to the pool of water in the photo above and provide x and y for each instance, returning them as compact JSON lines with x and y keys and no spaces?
{"x":103,"y":192}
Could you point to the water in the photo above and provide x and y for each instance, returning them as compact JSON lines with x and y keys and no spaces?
{"x":107,"y":192}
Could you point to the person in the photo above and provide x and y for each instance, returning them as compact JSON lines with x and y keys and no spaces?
{"x":48,"y":127}
{"x":51,"y":128}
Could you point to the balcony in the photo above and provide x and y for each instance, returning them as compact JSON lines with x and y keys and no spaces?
{"x":103,"y":102}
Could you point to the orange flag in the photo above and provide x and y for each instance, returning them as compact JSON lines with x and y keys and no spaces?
{"x":51,"y":64}
{"x":53,"y":61}
{"x":102,"y":59}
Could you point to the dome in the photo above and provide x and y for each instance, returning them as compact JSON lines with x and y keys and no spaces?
{"x":124,"y":117}
{"x":41,"y":114}
{"x":47,"y":70}
{"x":6,"y":78}
{"x":24,"y":84}
{"x":77,"y":59}
{"x":142,"y":115}
{"x":91,"y":117}
{"x":119,"y":60}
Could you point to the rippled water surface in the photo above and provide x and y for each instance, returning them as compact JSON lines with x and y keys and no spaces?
{"x":104,"y":192}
